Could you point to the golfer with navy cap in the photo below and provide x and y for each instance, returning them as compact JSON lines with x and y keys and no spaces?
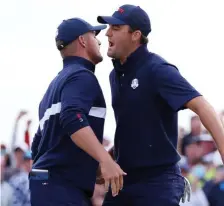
{"x":147,"y":92}
{"x":67,"y":147}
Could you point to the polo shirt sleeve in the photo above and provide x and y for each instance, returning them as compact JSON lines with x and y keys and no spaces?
{"x":173,"y":87}
{"x":77,"y":97}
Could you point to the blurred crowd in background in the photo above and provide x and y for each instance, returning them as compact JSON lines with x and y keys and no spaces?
{"x":200,"y":163}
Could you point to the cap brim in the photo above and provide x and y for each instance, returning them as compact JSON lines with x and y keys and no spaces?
{"x":110,"y":20}
{"x":97,"y":29}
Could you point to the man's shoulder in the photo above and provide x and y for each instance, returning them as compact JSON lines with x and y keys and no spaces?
{"x":74,"y":74}
{"x":155,"y":65}
{"x":157,"y":61}
{"x":157,"y":58}
{"x":75,"y":70}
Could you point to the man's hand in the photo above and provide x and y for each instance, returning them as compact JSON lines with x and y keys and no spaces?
{"x":99,"y":178}
{"x":110,"y":170}
{"x":112,"y":175}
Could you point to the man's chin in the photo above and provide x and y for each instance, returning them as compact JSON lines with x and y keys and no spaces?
{"x":99,"y":59}
{"x":110,"y":54}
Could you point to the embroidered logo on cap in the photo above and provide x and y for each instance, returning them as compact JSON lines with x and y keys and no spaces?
{"x":121,"y":10}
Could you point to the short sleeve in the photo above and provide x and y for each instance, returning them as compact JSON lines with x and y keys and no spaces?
{"x":173,"y":87}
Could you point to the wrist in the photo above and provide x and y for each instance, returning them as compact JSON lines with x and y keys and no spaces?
{"x":105,"y":158}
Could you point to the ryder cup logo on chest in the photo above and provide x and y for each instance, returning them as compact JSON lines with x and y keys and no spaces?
{"x":134,"y":83}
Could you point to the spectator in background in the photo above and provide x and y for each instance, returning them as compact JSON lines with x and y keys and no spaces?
{"x":200,"y":174}
{"x":6,"y":190}
{"x":18,"y":154}
{"x":210,"y":169}
{"x":215,"y":189}
{"x":181,"y":133}
{"x":20,"y":183}
{"x":193,"y":151}
{"x":3,"y":149}
{"x":6,"y":155}
{"x":196,"y":130}
{"x":184,"y":166}
{"x":210,"y":156}
{"x":8,"y":163}
{"x":27,"y":133}
{"x":21,"y":114}
{"x":198,"y":197}
{"x":207,"y":144}
{"x":194,"y":174}
{"x":199,"y":167}
{"x":200,"y":157}
{"x":22,"y":147}
{"x":14,"y":160}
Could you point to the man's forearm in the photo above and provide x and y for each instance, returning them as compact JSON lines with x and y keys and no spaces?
{"x":211,"y":121}
{"x":214,"y":125}
{"x":87,"y":141}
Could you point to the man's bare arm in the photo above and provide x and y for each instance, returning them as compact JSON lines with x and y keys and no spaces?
{"x":210,"y":120}
{"x":110,"y":170}
{"x":87,"y":141}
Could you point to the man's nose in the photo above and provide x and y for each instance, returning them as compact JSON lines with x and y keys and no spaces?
{"x":99,"y":42}
{"x":109,"y":33}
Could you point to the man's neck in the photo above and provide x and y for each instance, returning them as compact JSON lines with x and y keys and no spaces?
{"x":78,"y":55}
{"x":124,"y":58}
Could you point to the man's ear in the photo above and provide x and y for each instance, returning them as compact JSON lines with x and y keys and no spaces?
{"x":136,"y":35}
{"x":82,"y":41}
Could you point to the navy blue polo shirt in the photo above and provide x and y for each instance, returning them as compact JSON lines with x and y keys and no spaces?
{"x":147,"y":93}
{"x":72,"y":101}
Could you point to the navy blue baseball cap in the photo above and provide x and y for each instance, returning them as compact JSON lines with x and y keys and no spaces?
{"x":130,"y":15}
{"x":70,"y":29}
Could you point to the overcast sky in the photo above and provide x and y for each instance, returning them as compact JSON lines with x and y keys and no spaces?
{"x":186,"y":33}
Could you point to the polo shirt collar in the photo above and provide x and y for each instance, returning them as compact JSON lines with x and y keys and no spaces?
{"x":78,"y":60}
{"x":132,"y":61}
